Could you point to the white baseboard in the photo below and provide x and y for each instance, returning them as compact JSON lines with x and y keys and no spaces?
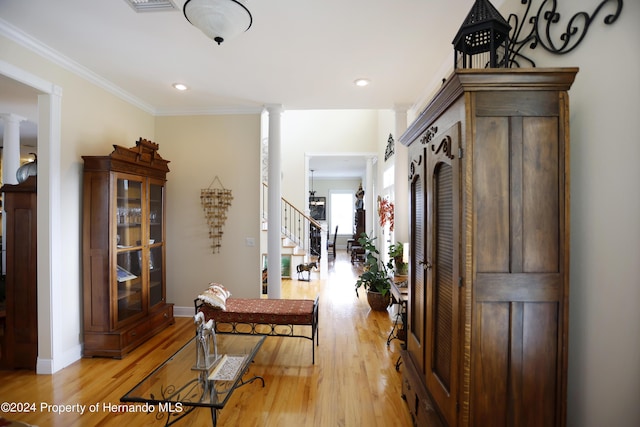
{"x":183,"y":311}
{"x":51,"y":366}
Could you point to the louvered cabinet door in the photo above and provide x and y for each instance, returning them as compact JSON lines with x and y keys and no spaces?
{"x":417,"y":297}
{"x":442,"y":267}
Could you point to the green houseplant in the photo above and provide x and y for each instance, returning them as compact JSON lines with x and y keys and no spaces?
{"x":396,"y":263}
{"x":375,"y":277}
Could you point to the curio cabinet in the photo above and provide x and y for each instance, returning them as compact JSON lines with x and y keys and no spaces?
{"x":124,"y":249}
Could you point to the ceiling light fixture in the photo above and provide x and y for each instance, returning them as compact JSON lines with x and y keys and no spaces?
{"x":218,"y":19}
{"x":180,"y":86}
{"x":312,"y":193}
{"x":362,"y":82}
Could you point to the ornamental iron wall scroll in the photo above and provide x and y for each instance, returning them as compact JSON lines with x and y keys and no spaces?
{"x":535,"y":29}
{"x":215,"y":203}
{"x":481,"y":41}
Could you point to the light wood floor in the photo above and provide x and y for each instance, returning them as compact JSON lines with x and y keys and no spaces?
{"x":353,"y":382}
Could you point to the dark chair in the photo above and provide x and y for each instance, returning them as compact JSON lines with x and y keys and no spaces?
{"x":331,"y":245}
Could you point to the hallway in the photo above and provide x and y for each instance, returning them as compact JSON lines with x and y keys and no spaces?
{"x":353,"y":382}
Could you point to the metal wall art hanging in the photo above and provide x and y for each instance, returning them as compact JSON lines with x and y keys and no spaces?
{"x":535,"y":28}
{"x":391,"y":148}
{"x":215,"y":203}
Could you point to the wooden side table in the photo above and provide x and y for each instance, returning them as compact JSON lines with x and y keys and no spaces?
{"x":399,"y":295}
{"x":350,"y":243}
{"x":357,"y":254}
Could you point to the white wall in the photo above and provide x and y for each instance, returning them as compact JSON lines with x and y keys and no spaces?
{"x":201,"y":148}
{"x":316,"y":131}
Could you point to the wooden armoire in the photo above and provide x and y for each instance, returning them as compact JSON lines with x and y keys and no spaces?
{"x":359,"y":223}
{"x":19,"y":346}
{"x":489,"y":267}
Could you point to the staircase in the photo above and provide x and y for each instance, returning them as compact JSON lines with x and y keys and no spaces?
{"x":301,"y":234}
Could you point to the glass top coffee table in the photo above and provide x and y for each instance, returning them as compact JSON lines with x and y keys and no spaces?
{"x":178,"y":386}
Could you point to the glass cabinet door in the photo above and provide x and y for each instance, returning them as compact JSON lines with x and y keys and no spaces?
{"x":156,"y":205}
{"x":129,"y":283}
{"x":155,"y":276}
{"x":129,"y":254}
{"x":156,"y":238}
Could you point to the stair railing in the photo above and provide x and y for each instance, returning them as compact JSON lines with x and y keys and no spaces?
{"x":295,"y":225}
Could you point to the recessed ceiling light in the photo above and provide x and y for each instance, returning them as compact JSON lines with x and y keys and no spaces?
{"x":180,"y":86}
{"x":362,"y":82}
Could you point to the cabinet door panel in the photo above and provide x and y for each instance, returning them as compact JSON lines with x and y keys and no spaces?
{"x":443,"y":281}
{"x":514,"y":368}
{"x":443,"y":271}
{"x":492,"y":186}
{"x":540,"y":194}
{"x":417,"y":297}
{"x":539,"y":367}
{"x":490,"y":365}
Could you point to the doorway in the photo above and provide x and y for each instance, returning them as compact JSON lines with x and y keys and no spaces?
{"x":47,"y":97}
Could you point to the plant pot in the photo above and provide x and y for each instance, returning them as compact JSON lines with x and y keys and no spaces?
{"x":377,"y":301}
{"x":402,"y":268}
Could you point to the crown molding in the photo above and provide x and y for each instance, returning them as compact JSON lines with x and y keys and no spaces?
{"x":23,"y":39}
{"x":210,"y":111}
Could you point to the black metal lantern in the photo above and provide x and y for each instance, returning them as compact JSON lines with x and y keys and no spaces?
{"x":482,"y":37}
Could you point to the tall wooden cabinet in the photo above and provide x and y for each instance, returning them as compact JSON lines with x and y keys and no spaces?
{"x":19,"y":346}
{"x":358,"y":223}
{"x":489,"y":270}
{"x":124,"y":249}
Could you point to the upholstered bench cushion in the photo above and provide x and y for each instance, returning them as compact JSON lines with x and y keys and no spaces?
{"x":264,"y":311}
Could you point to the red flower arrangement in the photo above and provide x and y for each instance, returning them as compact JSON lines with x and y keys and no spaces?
{"x":385,"y":212}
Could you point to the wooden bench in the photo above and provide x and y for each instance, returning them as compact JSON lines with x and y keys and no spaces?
{"x":278,"y":317}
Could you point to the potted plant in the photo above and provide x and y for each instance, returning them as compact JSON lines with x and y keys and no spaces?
{"x":396,"y":262}
{"x":375,"y":277}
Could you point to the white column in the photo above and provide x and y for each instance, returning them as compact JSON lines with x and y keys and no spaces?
{"x":10,"y":164}
{"x":11,"y":147}
{"x":274,"y":243}
{"x":370,"y":205}
{"x":401,"y":178}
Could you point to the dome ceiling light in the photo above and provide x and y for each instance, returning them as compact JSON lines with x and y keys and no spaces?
{"x":218,"y":19}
